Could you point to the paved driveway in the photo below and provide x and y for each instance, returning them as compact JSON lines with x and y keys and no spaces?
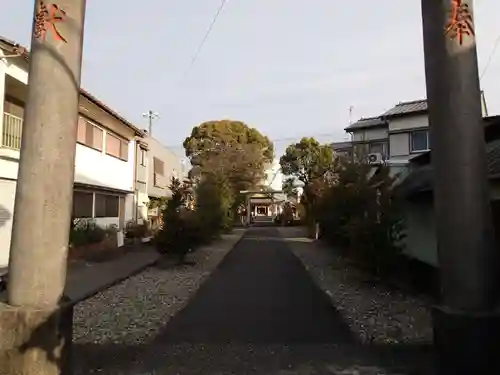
{"x":261,"y":294}
{"x":261,"y":313}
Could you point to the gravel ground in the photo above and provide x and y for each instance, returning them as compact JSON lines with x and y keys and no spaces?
{"x":126,"y":316}
{"x":377,"y":314}
{"x":113,"y":332}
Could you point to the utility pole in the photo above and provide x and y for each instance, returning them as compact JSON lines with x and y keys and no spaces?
{"x":30,"y":341}
{"x":150,"y":115}
{"x":467,"y":320}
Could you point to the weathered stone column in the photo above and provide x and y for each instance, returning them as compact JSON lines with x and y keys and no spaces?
{"x":466,"y":322}
{"x":40,"y":234}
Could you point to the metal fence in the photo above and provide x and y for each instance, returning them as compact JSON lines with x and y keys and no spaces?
{"x":12,"y":131}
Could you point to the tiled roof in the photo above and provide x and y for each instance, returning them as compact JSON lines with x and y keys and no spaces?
{"x":405,"y":108}
{"x":421,"y":179}
{"x":368,"y":122}
{"x":25,"y":54}
{"x":341,"y":145}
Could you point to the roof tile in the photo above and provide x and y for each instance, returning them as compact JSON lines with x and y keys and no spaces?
{"x":367,"y":122}
{"x":404,"y":108}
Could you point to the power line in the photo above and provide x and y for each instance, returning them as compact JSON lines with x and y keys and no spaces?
{"x":280,"y":140}
{"x":205,"y":38}
{"x":151,"y":116}
{"x":490,"y":57}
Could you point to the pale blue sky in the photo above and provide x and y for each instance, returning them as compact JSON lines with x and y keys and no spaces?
{"x":288,"y":67}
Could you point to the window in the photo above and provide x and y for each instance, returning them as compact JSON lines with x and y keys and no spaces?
{"x":158,"y":166}
{"x":107,"y":205}
{"x":82,"y":204}
{"x":116,"y":147}
{"x":419,"y":141}
{"x":377,"y":148}
{"x":142,"y":157}
{"x":89,"y":135}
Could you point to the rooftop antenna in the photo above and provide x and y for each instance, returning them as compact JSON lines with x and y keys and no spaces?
{"x":350,"y":114}
{"x":150,"y":115}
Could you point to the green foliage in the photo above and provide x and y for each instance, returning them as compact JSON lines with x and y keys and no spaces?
{"x":185,"y":229}
{"x":134,"y":230}
{"x":214,"y":203}
{"x":363,"y":217}
{"x":85,"y":232}
{"x":307,"y":160}
{"x":232,"y":148}
{"x":289,"y":187}
{"x":211,"y":135}
{"x":176,"y":238}
{"x":160,"y":202}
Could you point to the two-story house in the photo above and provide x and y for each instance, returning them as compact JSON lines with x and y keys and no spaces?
{"x":163,"y":164}
{"x":105,"y":161}
{"x":399,"y":134}
{"x":405,"y":130}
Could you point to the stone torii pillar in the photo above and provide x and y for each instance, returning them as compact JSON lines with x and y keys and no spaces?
{"x":466,"y":322}
{"x":30,"y":341}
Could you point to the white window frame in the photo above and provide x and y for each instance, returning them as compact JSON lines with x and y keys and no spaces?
{"x":412,"y":151}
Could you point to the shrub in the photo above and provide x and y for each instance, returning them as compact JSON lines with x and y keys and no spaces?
{"x":363,"y":217}
{"x":214,"y":202}
{"x":134,"y":230}
{"x":85,"y":231}
{"x":188,"y":221}
{"x":177,"y":236}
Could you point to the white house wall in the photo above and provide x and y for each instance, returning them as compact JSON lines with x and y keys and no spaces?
{"x":172,"y":168}
{"x":369,"y":134}
{"x":7,"y":194}
{"x":94,"y":167}
{"x":399,"y":144}
{"x":399,"y":133}
{"x":408,"y":122}
{"x":420,"y":241}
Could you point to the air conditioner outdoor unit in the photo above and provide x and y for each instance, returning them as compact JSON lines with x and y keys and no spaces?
{"x":375,"y":158}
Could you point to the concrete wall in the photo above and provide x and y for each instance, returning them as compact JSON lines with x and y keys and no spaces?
{"x":408,"y":122}
{"x":399,"y":133}
{"x":420,"y":242}
{"x":141,"y":184}
{"x":94,"y":167}
{"x":172,"y":168}
{"x":369,"y":134}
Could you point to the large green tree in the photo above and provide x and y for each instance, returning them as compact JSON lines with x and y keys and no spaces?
{"x":309,"y":162}
{"x":231,"y":147}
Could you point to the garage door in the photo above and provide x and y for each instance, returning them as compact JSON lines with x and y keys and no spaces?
{"x":7,"y":195}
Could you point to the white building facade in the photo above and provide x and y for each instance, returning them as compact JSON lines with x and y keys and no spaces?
{"x":105,"y":162}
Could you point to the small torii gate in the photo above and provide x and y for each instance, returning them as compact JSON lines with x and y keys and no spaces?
{"x":249,"y":195}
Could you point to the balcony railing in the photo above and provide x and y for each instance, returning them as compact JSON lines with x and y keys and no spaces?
{"x":11,"y":131}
